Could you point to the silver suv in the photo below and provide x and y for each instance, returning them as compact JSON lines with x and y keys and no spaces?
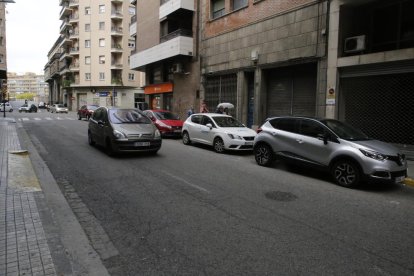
{"x":347,"y":153}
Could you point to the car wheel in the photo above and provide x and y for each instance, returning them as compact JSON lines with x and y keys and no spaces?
{"x":218,"y":145}
{"x":108,"y":148}
{"x":264,"y":155}
{"x":346,"y":173}
{"x":90,"y":140}
{"x":186,"y":138}
{"x":11,"y":110}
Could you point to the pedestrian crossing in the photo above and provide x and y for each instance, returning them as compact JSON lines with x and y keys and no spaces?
{"x":44,"y":119}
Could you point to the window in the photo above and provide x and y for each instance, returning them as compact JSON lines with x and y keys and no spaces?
{"x":87,"y":76}
{"x":311,"y":128}
{"x":285,"y":124}
{"x":87,"y":43}
{"x":102,"y":42}
{"x":131,"y":44}
{"x":87,"y":60}
{"x":101,"y":76}
{"x":87,"y":27}
{"x":131,"y":76}
{"x":102,"y":26}
{"x":217,"y":8}
{"x":101,"y":59}
{"x":1,"y":58}
{"x":101,"y":8}
{"x":238,"y":4}
{"x":131,"y":10}
{"x":87,"y":10}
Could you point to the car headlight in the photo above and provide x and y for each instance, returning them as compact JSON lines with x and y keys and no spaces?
{"x":374,"y":155}
{"x":119,"y":135}
{"x":235,"y":137}
{"x":164,"y":125}
{"x":157,"y":134}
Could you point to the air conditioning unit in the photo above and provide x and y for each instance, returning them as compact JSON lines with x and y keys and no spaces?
{"x":354,"y":44}
{"x":177,"y":68}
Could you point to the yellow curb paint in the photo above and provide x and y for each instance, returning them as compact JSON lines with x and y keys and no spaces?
{"x":409,"y":182}
{"x":20,"y":172}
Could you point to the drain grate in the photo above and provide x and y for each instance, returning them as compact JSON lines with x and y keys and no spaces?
{"x":280,"y":196}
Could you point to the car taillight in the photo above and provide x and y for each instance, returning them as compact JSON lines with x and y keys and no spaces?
{"x":259,"y":130}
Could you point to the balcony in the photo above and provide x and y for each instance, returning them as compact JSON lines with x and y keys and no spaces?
{"x":73,"y":3}
{"x":116,"y":66}
{"x":117,"y":1}
{"x":117,"y":15}
{"x":117,"y":31}
{"x":116,"y":48}
{"x":74,"y":51}
{"x":170,"y":6}
{"x":177,"y":46}
{"x":65,"y":25}
{"x":133,"y":29}
{"x":74,"y":67}
{"x":66,"y":11}
{"x":74,"y":34}
{"x":74,"y":18}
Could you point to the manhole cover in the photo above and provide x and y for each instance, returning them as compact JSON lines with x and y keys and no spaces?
{"x":280,"y":196}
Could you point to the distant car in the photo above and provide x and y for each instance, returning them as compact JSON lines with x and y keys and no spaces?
{"x":58,"y":108}
{"x":168,"y":123}
{"x":28,"y":108}
{"x":330,"y":145}
{"x":123,"y":130}
{"x":7,"y":106}
{"x":86,"y":111}
{"x":223,"y":132}
{"x":41,"y":105}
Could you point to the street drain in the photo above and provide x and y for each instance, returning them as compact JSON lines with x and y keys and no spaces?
{"x":280,"y":196}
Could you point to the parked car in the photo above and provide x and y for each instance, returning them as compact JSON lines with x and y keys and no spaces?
{"x":168,"y":123}
{"x":41,"y":105}
{"x":223,"y":132}
{"x":58,"y":108}
{"x":28,"y":108}
{"x":86,"y":111}
{"x":331,"y":145}
{"x":7,"y":106}
{"x":123,"y":130}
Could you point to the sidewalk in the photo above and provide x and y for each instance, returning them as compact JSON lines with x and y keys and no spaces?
{"x":39,"y":234}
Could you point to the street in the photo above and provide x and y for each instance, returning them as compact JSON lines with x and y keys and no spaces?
{"x":191,"y":211}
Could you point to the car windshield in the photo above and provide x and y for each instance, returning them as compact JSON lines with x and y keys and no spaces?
{"x":225,"y":121}
{"x":60,"y":105}
{"x":345,"y":131}
{"x":165,"y":115}
{"x":127,"y":116}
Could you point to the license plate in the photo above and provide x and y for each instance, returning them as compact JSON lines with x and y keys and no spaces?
{"x":177,"y":130}
{"x":399,"y":179}
{"x":142,"y":144}
{"x":249,"y":143}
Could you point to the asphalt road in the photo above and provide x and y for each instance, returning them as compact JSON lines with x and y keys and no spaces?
{"x":191,"y":211}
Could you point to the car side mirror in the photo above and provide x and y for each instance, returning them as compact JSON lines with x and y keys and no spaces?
{"x":324,"y":138}
{"x":209,"y":125}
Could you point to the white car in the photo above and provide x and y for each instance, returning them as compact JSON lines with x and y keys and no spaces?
{"x":223,"y":132}
{"x":9,"y":107}
{"x":58,"y":108}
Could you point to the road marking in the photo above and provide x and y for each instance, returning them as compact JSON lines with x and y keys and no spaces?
{"x":37,"y":119}
{"x":25,"y":119}
{"x":48,"y":118}
{"x":186,"y":182}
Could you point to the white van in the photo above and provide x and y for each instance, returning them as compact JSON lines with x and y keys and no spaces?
{"x":9,"y":107}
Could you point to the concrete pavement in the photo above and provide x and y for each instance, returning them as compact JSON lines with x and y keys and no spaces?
{"x":39,"y":233}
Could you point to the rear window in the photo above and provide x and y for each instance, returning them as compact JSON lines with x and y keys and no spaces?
{"x":285,"y":124}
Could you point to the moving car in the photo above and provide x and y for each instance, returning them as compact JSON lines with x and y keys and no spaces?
{"x":41,"y":105}
{"x":123,"y":130}
{"x":58,"y":108}
{"x":168,"y":123}
{"x":221,"y":131}
{"x":86,"y":111}
{"x":331,"y":145}
{"x":7,"y":106}
{"x":28,"y":108}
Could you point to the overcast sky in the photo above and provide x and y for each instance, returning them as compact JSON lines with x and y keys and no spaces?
{"x":32,"y":27}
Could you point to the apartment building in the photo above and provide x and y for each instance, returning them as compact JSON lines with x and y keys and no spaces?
{"x":371,"y":68}
{"x":3,"y":49}
{"x":89,"y":62}
{"x":167,"y":51}
{"x":27,"y":83}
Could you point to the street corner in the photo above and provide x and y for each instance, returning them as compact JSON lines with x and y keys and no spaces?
{"x":409,"y":182}
{"x":21,"y":175}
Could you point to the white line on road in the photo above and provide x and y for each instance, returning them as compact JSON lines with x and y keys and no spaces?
{"x":188,"y":183}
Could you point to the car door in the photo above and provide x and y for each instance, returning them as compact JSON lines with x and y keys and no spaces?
{"x":311,"y":144}
{"x":194,"y":128}
{"x":207,"y":133}
{"x":96,"y":126}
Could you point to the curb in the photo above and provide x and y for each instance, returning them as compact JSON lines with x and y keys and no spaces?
{"x":409,"y":182}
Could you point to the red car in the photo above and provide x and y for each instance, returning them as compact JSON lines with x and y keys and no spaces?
{"x":86,"y":111}
{"x":168,"y":123}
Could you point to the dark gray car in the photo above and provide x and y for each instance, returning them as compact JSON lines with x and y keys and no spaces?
{"x":347,"y":153}
{"x":123,"y":130}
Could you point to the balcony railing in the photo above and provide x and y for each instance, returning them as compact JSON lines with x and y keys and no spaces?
{"x":179,"y":32}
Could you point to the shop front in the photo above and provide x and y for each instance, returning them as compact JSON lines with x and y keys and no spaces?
{"x":159,"y":96}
